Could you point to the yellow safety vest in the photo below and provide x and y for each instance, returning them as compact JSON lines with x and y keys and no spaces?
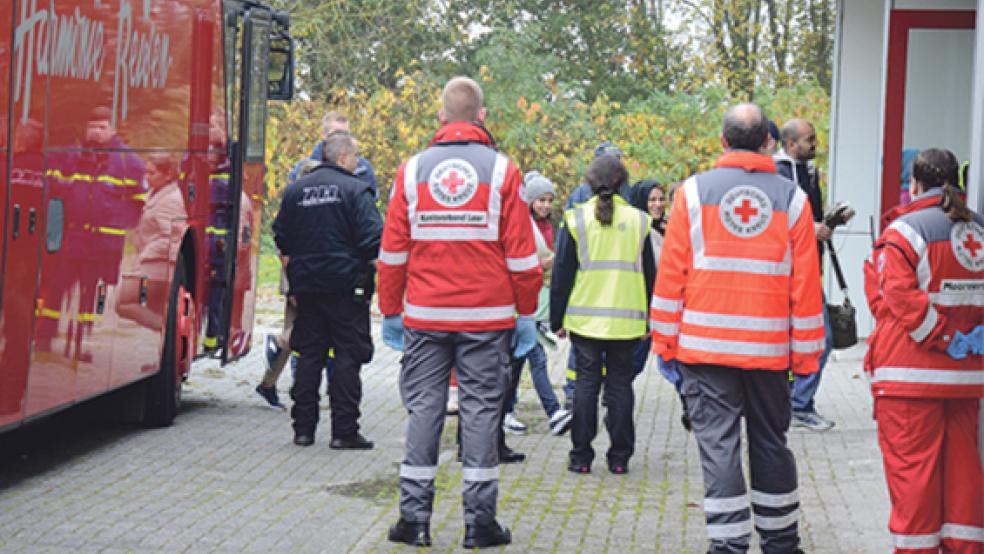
{"x":609,"y":297}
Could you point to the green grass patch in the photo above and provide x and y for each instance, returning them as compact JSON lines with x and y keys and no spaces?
{"x":269,"y":272}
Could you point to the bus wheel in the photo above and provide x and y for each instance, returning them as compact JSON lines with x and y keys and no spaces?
{"x":164,"y":388}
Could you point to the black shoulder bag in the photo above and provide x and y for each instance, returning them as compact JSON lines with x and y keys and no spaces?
{"x":843,"y":317}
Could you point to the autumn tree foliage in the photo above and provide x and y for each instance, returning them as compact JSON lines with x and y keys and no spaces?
{"x":560,"y":76}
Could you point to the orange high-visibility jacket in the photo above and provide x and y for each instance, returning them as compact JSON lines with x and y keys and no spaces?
{"x":458,"y":252}
{"x":739,"y":279}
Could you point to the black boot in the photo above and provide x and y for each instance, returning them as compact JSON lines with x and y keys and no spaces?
{"x":414,"y":534}
{"x":482,"y":536}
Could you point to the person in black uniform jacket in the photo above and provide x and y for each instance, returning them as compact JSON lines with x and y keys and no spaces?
{"x":329,"y":229}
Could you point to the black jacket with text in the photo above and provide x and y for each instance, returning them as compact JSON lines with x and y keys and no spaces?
{"x":329,"y":228}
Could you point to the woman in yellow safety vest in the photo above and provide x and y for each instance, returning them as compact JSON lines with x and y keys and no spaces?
{"x":599,"y":293}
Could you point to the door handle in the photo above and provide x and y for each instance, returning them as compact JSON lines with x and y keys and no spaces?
{"x":32,"y":220}
{"x":16,"y":222}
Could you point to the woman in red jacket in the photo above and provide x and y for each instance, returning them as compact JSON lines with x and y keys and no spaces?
{"x":925,"y":287}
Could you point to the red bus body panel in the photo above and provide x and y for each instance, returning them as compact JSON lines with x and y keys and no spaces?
{"x":89,"y":316}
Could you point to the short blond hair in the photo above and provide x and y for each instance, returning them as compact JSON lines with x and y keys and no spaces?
{"x":461,"y":99}
{"x":330,"y":119}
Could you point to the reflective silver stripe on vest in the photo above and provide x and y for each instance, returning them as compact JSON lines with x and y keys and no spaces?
{"x":584,"y":258}
{"x":410,"y":189}
{"x":692,"y":197}
{"x":418,"y":473}
{"x":668,"y":329}
{"x":723,"y":505}
{"x":479,"y":474}
{"x":777,"y":523}
{"x":715,"y":263}
{"x":393,"y":258}
{"x":488,"y":233}
{"x":931,"y":540}
{"x":808,"y":346}
{"x":962,"y":532}
{"x":517,"y":265}
{"x":951,"y":299}
{"x":741,"y":322}
{"x":775,"y":500}
{"x":930,"y":320}
{"x":808,"y":323}
{"x":919,"y":245}
{"x":796,"y":206}
{"x":740,"y":348}
{"x":665,"y":304}
{"x":490,"y":313}
{"x":606,"y":312}
{"x":928,"y":376}
{"x":720,"y":531}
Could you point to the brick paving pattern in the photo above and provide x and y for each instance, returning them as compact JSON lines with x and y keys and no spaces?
{"x":227,"y":478}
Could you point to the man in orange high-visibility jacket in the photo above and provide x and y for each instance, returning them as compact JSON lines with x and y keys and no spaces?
{"x":736,"y":304}
{"x":458,"y":263}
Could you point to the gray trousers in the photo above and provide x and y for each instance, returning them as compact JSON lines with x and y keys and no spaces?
{"x":481,"y":360}
{"x":717,"y":397}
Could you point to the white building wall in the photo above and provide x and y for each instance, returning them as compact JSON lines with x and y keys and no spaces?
{"x":856,"y":141}
{"x":975,"y":190}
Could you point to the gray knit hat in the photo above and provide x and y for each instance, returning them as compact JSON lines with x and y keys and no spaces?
{"x":536,"y":185}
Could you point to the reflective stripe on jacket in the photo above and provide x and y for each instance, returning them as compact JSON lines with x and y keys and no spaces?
{"x":738,"y":282}
{"x":609,"y":296}
{"x":924,"y":283}
{"x":458,"y":251}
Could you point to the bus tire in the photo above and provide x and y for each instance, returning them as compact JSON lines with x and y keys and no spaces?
{"x":164,"y":389}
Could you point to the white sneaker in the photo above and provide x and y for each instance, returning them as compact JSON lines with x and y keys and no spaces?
{"x":512,"y":425}
{"x":560,"y":422}
{"x":452,"y":401}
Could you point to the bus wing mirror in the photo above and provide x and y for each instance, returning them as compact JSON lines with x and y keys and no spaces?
{"x":281,"y":73}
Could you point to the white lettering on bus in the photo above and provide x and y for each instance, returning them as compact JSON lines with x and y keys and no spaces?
{"x":73,"y":46}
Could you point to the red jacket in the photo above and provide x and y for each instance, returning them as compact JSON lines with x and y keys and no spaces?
{"x":458,"y":252}
{"x":924,"y":282}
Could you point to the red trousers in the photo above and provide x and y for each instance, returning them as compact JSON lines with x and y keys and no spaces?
{"x":933,"y":469}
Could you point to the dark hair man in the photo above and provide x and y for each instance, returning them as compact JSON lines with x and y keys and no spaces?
{"x":799,"y":142}
{"x":458,"y":263}
{"x":733,"y":311}
{"x":328,"y":229}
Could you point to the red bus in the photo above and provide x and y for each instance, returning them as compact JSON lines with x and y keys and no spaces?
{"x":131,"y":171}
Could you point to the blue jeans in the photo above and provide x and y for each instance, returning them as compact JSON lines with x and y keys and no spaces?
{"x":804,"y":387}
{"x":541,"y":381}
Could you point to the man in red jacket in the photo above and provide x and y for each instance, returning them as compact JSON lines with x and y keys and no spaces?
{"x":458,"y":263}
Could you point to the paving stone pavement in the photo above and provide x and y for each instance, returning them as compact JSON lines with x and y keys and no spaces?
{"x":227,"y":478}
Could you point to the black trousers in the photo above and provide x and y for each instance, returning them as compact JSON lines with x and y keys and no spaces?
{"x":323,"y":322}
{"x":618,"y":396}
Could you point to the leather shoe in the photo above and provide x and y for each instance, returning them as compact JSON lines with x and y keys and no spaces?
{"x":356,"y":442}
{"x":509,"y":456}
{"x":407,"y":532}
{"x":304,"y":439}
{"x":482,"y":536}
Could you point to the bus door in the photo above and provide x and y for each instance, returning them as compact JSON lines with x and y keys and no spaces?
{"x":247,"y":84}
{"x":22,"y":178}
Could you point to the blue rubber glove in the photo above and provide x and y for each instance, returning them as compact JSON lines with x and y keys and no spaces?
{"x":976,"y":339}
{"x":524,"y":338}
{"x":670,"y":370}
{"x":393,"y":332}
{"x":959,"y":347}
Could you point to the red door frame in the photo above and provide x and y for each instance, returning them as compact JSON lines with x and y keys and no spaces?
{"x":898,"y":54}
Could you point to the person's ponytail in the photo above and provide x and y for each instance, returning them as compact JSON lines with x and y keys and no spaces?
{"x":606,"y":174}
{"x":938,"y":168}
{"x":605,"y":207}
{"x":954,"y":205}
